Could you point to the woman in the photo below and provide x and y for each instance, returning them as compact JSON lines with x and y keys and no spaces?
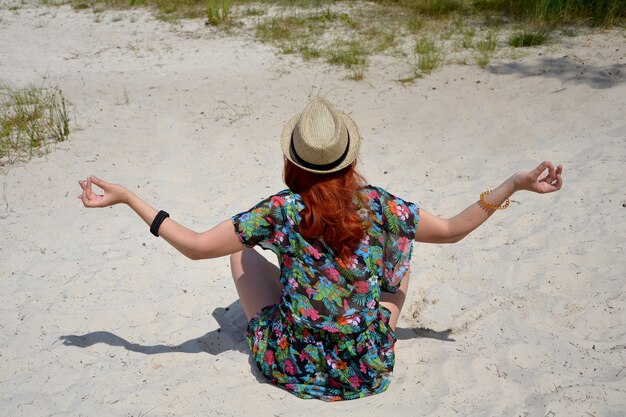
{"x":322,"y":325}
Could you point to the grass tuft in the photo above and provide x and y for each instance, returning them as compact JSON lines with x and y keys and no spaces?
{"x":218,"y":12}
{"x":430,"y":55}
{"x":414,"y":23}
{"x":348,"y":54}
{"x":31,"y":120}
{"x":356,"y":73}
{"x":526,"y":39}
{"x":486,"y":49}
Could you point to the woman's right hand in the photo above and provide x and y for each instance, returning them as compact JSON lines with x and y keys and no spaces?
{"x":113,"y":193}
{"x":543,"y":179}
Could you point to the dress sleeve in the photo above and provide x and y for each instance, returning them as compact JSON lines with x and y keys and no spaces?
{"x":262,"y":224}
{"x":399,"y":223}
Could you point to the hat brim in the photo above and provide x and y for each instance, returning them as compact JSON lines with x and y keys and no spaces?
{"x":353,"y":150}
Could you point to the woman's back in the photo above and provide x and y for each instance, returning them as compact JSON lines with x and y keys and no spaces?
{"x":321,"y":289}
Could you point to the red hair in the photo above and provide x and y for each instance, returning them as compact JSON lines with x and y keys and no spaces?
{"x":330,"y":211}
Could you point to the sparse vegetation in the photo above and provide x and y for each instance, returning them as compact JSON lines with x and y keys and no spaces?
{"x":233,"y":112}
{"x":348,"y":54}
{"x":347,"y":33}
{"x":304,"y":34}
{"x":253,"y":11}
{"x":486,"y":48}
{"x":414,"y":23}
{"x":32,"y":120}
{"x":597,"y":12}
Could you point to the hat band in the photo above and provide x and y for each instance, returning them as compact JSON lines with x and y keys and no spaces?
{"x":320,"y":167}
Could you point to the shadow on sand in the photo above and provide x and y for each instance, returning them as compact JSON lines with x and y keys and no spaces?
{"x":229,"y":336}
{"x":568,"y":69}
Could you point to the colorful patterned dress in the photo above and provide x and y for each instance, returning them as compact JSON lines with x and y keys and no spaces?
{"x":328,"y":338}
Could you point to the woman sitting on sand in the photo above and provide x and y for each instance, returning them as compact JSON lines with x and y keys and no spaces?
{"x":322,"y":324}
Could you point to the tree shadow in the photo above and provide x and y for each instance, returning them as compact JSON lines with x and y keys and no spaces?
{"x":566,"y":69}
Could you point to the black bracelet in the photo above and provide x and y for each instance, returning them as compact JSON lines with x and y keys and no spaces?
{"x":156,"y":223}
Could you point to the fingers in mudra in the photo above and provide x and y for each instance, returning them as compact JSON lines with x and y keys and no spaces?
{"x":550,"y":181}
{"x":89,"y":198}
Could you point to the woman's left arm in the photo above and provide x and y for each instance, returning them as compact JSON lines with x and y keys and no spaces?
{"x":433,"y":229}
{"x":219,"y":241}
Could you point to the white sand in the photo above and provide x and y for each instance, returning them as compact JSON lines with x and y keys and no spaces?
{"x":190,"y":120}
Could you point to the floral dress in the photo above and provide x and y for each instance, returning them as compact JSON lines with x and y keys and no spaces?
{"x":328,"y":338}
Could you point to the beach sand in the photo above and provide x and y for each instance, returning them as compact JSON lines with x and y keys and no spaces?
{"x":525,"y":317}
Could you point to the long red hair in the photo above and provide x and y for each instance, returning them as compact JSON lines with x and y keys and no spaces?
{"x":330,"y":212}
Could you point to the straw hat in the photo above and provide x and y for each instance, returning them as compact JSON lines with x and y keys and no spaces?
{"x":321,"y":139}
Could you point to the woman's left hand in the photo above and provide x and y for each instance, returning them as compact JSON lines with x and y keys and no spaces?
{"x":538,"y":180}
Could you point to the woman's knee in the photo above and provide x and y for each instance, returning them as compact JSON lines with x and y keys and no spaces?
{"x":256,"y":280}
{"x":394,"y":302}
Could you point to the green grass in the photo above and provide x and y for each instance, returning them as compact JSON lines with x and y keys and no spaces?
{"x":596,"y":12}
{"x":526,"y":39}
{"x":436,"y":8}
{"x":429,"y":8}
{"x":429,"y":56}
{"x":414,"y":23}
{"x":32,"y":119}
{"x":218,"y":12}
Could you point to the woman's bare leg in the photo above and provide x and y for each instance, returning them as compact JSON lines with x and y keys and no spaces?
{"x":257,"y":281}
{"x":394,"y":302}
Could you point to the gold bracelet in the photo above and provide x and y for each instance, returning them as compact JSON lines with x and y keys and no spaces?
{"x":490,"y":206}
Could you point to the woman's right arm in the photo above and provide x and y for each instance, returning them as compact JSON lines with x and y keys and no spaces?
{"x":433,"y":229}
{"x":219,"y":241}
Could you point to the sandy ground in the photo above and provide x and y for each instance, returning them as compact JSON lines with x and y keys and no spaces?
{"x":526,"y":317}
